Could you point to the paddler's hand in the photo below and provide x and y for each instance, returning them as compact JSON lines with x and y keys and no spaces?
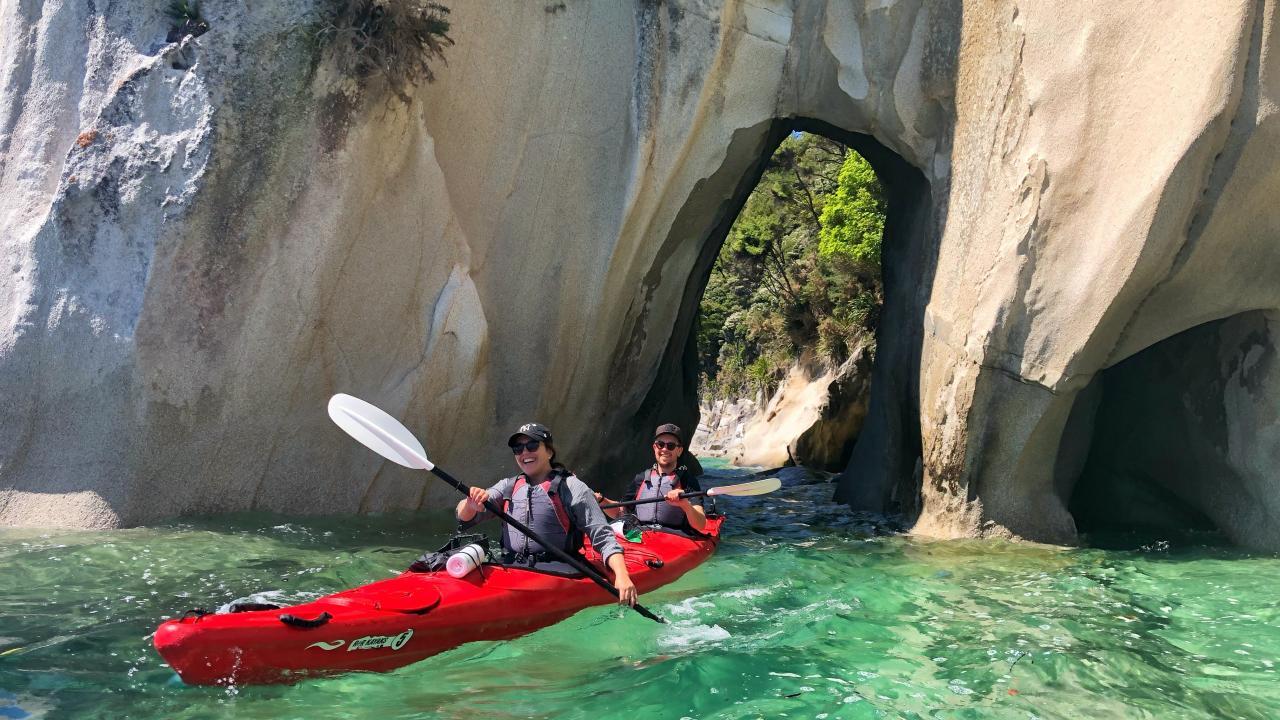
{"x":613,"y":513}
{"x":622,"y":580}
{"x":477,"y":498}
{"x":626,"y":590}
{"x":467,"y":509}
{"x":673,"y":498}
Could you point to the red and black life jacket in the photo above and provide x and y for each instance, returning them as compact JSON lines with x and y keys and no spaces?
{"x":544,"y":508}
{"x":650,"y":483}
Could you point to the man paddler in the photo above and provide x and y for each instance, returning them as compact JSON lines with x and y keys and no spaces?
{"x":666,"y":479}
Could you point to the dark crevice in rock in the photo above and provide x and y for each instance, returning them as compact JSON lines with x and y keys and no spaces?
{"x":1182,"y":436}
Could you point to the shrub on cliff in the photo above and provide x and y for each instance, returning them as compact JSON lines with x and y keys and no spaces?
{"x":187,"y":20}
{"x":395,"y":39}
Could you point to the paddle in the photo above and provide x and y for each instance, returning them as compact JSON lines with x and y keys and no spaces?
{"x":384,"y":435}
{"x":755,"y":487}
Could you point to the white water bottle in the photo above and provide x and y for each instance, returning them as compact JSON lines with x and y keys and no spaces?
{"x":464,"y":561}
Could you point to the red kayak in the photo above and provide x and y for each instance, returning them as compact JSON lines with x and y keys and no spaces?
{"x":394,"y":622}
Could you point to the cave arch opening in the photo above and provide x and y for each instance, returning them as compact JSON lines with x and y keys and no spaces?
{"x":1183,"y":439}
{"x":785,"y":325}
{"x":882,"y":463}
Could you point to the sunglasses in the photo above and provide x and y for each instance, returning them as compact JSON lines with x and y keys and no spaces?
{"x":665,"y":445}
{"x":531,"y":446}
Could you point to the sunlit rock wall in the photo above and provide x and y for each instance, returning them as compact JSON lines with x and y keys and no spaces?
{"x":203,"y":241}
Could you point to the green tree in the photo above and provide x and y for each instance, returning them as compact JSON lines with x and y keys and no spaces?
{"x":852,"y":220}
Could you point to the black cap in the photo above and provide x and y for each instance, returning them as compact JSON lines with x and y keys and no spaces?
{"x":537,"y":431}
{"x":669,"y":429}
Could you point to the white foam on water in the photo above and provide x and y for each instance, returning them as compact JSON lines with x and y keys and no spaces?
{"x":682,"y":636}
{"x":689,"y":607}
{"x":277,"y":597}
{"x":746,"y":593}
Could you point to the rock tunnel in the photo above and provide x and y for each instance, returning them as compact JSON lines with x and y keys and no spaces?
{"x":1180,"y":436}
{"x":892,"y":437}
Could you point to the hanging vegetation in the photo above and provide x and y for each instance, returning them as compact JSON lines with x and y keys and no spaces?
{"x":398,"y":40}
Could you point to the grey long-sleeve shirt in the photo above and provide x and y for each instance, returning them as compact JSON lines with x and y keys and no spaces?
{"x":586,"y":512}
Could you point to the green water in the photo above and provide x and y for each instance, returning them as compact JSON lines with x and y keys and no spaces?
{"x":805,"y":612}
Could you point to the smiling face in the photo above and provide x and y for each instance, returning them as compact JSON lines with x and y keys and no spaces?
{"x":533,"y":463}
{"x":667,"y":457}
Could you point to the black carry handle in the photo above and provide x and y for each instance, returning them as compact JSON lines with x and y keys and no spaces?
{"x":576,"y":563}
{"x":629,"y":503}
{"x":295,"y":621}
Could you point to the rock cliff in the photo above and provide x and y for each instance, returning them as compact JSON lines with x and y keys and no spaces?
{"x":205,"y":239}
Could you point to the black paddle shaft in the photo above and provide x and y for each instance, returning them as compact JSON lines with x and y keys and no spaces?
{"x":577,"y":563}
{"x":629,"y":503}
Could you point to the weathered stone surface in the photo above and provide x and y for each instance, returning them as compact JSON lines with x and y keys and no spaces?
{"x":203,"y":241}
{"x":722,"y":424}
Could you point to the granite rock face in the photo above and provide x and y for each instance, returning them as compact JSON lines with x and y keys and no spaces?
{"x":205,"y":239}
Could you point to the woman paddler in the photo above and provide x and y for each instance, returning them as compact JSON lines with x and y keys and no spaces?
{"x":554,"y":504}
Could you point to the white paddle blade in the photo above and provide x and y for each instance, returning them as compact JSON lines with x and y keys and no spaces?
{"x":378,"y":431}
{"x":755,"y":487}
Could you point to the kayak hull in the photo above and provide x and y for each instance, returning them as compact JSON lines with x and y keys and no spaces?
{"x":398,"y":621}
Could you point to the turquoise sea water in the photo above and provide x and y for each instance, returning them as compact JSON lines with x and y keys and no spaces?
{"x":806,"y":611}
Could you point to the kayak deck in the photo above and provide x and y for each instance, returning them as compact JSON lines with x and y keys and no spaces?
{"x":394,"y":622}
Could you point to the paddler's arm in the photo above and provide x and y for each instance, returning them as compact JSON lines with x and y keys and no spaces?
{"x":601,"y":499}
{"x":627,"y":496}
{"x":588,"y":515}
{"x":696,"y":516}
{"x":474,"y":503}
{"x":627,"y":594}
